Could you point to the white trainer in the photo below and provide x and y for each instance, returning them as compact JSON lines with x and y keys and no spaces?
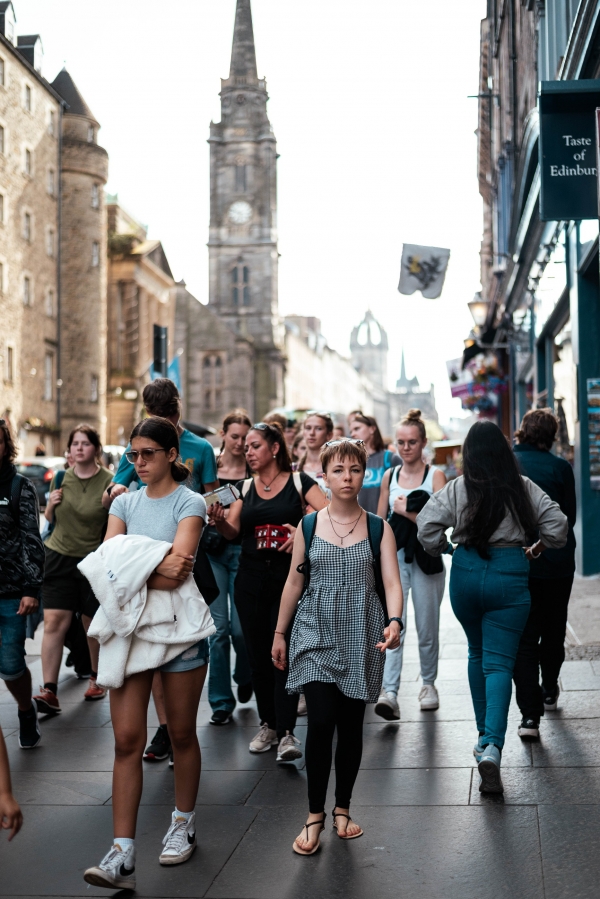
{"x":387,"y":706}
{"x":180,"y":840}
{"x":429,"y":699}
{"x":288,"y":751}
{"x":264,"y":739}
{"x":302,"y":706}
{"x":116,"y":871}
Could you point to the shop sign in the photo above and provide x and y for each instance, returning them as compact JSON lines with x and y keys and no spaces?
{"x":569,"y":180}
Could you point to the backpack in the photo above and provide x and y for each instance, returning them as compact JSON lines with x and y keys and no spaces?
{"x":375,"y":535}
{"x":50,"y":525}
{"x":16,"y":488}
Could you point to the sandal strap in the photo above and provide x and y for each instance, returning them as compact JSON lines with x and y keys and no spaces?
{"x":340,"y":815}
{"x":310,"y":824}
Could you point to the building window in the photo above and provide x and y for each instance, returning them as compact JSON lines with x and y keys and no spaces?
{"x":50,"y":243}
{"x":1,"y":277}
{"x":2,"y":72}
{"x":95,"y":253}
{"x":51,"y":122}
{"x":2,"y":140}
{"x":212,"y":380}
{"x":94,"y":390}
{"x":240,"y":279}
{"x":27,"y":226}
{"x":27,"y":99}
{"x":2,"y":209}
{"x":48,"y":376}
{"x":91,"y":134}
{"x":50,"y":303}
{"x":9,"y":363}
{"x":240,"y":178}
{"x":27,"y":295}
{"x":95,"y":196}
{"x":27,"y":162}
{"x":51,"y":182}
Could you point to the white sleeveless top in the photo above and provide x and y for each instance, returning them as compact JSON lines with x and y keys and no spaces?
{"x":397,"y":490}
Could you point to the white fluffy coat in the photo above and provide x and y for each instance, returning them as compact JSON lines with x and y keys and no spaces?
{"x":140,"y":629}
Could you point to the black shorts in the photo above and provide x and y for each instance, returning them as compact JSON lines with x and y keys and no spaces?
{"x":65,"y":587}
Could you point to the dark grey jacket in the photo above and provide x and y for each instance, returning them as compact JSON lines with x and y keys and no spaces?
{"x":21,"y":546}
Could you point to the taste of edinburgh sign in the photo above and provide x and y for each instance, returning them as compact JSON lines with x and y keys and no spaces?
{"x":568,"y":150}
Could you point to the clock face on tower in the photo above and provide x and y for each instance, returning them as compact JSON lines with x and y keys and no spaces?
{"x":240,"y":212}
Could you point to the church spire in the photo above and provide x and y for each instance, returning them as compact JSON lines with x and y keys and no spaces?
{"x":243,"y":51}
{"x":402,"y":369}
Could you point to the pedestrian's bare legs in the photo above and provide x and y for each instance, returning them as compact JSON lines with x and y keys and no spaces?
{"x":129,"y":713}
{"x":20,"y":688}
{"x":158,"y":695}
{"x":182,"y":695}
{"x":56,"y":625}
{"x":93,"y":645}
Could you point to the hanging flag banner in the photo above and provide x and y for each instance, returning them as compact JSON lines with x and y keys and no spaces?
{"x":424,"y":269}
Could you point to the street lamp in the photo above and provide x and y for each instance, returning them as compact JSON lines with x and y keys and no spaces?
{"x":479,"y":310}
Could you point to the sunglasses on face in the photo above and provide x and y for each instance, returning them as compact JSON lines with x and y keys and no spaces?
{"x":147,"y":454}
{"x":341,"y":440}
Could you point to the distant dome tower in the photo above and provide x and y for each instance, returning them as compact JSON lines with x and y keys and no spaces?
{"x":83,"y":320}
{"x":369,"y":349}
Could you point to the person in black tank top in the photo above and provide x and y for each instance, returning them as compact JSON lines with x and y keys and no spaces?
{"x":224,"y":557}
{"x":277,"y":497}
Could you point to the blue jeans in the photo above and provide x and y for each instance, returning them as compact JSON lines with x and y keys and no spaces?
{"x":490,"y":598}
{"x":12,"y":640}
{"x":229,"y":630}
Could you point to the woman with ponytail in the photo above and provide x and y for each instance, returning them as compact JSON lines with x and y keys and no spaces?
{"x":165,"y":510}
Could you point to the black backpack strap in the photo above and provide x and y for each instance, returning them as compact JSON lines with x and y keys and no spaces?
{"x":309,"y":526}
{"x":59,"y":478}
{"x":375,"y":534}
{"x":16,"y":488}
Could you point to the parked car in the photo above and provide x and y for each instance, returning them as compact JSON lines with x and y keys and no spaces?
{"x":40,"y":470}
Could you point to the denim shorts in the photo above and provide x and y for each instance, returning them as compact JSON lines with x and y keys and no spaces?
{"x":194,"y":657}
{"x":12,"y":639}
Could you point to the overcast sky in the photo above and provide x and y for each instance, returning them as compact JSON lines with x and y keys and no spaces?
{"x":369,"y":103}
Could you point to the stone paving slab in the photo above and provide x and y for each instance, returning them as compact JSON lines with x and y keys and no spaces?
{"x":570,"y":836}
{"x":543,"y":786}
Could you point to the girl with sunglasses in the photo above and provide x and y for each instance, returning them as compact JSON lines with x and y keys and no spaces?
{"x":165,"y":510}
{"x":276,"y":497}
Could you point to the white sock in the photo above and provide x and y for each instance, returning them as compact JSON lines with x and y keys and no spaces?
{"x":124,"y":842}
{"x":186,"y":815}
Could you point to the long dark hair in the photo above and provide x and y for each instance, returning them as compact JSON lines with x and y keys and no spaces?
{"x":494,"y":487}
{"x":163,"y":432}
{"x":272,"y":432}
{"x":92,"y":435}
{"x":376,"y":439}
{"x":237,"y":417}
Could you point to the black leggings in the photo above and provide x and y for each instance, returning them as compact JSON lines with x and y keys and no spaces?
{"x":328,"y":708}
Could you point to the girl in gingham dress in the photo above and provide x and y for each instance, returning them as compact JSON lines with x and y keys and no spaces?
{"x":338,"y":642}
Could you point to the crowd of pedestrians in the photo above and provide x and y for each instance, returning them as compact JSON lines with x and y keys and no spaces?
{"x":298,"y":544}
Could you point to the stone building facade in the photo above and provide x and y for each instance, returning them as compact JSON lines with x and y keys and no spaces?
{"x":141,"y":293}
{"x":30,"y":114}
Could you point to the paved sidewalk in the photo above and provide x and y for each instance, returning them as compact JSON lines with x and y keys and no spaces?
{"x":428,"y":832}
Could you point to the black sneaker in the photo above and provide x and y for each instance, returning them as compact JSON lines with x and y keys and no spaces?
{"x":29,"y":729}
{"x":159,"y":747}
{"x":220,"y":717}
{"x":529,"y":728}
{"x":551,"y":698}
{"x":244,"y":692}
{"x":171,"y":762}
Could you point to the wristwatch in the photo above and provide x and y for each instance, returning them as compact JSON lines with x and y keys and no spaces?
{"x":400,"y":623}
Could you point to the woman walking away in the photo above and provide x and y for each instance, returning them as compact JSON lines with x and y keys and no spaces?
{"x":318,"y":429}
{"x":266,"y":517}
{"x":495,"y":514}
{"x":164,"y":511}
{"x":550,"y":577}
{"x":339,"y":637}
{"x":365,"y":428}
{"x":224,"y":558}
{"x":21,"y":575}
{"x":79,"y":520}
{"x":404,"y":492}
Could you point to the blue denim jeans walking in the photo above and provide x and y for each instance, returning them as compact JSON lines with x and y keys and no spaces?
{"x":229,"y":630}
{"x":12,"y":640}
{"x":490,"y":598}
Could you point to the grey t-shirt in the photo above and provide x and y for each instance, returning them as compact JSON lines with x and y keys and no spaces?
{"x":158,"y":518}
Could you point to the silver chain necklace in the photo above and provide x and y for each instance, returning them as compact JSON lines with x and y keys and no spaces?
{"x":342,"y":537}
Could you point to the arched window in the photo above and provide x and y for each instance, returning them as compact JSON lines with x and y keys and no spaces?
{"x":212,"y":382}
{"x":240,"y":279}
{"x":240,"y":178}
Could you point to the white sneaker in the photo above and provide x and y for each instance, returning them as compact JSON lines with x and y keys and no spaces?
{"x":429,"y":699}
{"x":387,"y":707}
{"x":180,"y":840}
{"x":264,"y":739}
{"x":287,"y":750}
{"x":116,"y":871}
{"x":302,"y":705}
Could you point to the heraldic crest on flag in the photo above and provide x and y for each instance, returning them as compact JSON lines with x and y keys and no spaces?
{"x":424,"y":269}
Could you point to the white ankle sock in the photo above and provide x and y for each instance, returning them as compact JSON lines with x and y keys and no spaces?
{"x":186,"y":815}
{"x":124,"y":842}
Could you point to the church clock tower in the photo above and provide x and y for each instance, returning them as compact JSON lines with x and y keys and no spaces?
{"x":242,"y":246}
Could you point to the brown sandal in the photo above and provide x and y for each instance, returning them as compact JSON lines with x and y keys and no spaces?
{"x":353,"y":836}
{"x":312,"y":851}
